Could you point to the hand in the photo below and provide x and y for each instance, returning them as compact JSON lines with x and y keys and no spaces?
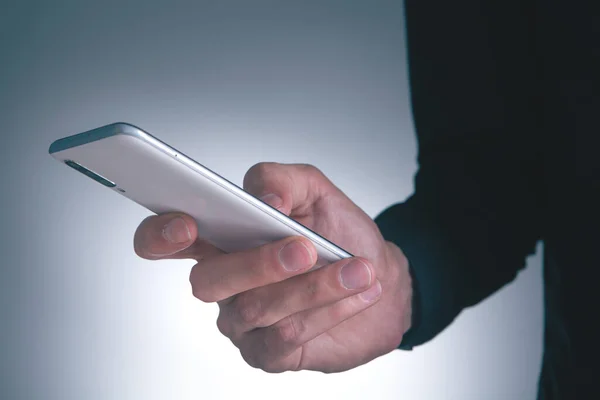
{"x":280,"y":316}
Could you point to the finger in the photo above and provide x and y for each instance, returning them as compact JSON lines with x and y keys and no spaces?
{"x":266,"y":305}
{"x":287,"y":187}
{"x":269,"y":348}
{"x":218,"y":278}
{"x":171,"y":235}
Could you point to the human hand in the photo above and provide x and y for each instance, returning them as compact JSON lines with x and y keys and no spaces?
{"x":280,"y":316}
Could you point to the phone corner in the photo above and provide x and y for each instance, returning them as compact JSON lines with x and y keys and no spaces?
{"x":52,"y":147}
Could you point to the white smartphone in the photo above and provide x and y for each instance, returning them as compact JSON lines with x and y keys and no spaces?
{"x":137,"y":165}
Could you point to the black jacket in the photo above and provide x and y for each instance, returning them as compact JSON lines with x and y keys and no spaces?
{"x":506,"y":104}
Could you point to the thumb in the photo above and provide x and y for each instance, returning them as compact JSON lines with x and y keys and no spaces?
{"x":290,"y":188}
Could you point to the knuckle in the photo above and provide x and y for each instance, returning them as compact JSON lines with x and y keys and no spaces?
{"x":223,"y":325}
{"x":264,"y":167}
{"x":285,"y":334}
{"x":248,"y":309}
{"x":311,"y":169}
{"x":257,"y":354}
{"x":271,"y":365}
{"x":249,"y":357}
{"x":257,"y":171}
{"x":263,"y":361}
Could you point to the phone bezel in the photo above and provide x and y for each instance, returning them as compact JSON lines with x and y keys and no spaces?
{"x":123,"y":128}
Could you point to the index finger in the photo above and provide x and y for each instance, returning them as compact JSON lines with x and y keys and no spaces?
{"x":219,"y":278}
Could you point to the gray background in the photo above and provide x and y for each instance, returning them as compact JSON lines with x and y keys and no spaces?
{"x":230,"y":84}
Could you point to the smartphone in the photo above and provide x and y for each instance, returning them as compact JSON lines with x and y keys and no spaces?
{"x":140,"y":167}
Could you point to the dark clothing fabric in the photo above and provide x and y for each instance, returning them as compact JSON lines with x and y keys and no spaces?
{"x":506,"y":103}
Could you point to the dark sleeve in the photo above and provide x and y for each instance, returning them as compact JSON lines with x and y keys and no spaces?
{"x":474,"y":215}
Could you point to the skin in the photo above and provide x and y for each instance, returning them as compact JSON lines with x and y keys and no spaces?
{"x":287,"y":319}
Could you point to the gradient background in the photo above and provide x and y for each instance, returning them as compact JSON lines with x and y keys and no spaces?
{"x":230,"y":83}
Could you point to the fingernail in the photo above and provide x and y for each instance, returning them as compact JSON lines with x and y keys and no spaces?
{"x":272,"y":199}
{"x":355,"y":275}
{"x":177,"y":231}
{"x":372,"y":293}
{"x":295,"y":255}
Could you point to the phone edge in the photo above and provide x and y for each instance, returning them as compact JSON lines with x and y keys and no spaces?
{"x":123,"y":128}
